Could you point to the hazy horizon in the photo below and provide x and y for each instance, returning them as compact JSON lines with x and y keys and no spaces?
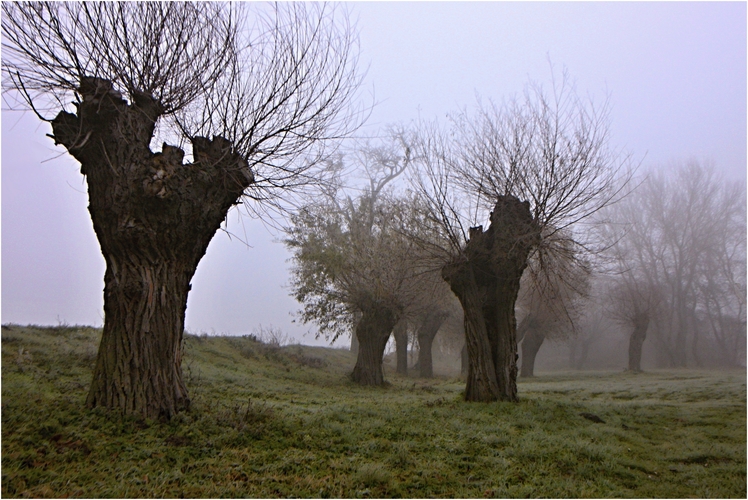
{"x":674,"y":73}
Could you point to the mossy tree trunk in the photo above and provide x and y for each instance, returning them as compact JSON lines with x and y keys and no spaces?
{"x":485,"y":278}
{"x":636,"y":341}
{"x":373,"y":332}
{"x":154,"y":217}
{"x":426,"y":334}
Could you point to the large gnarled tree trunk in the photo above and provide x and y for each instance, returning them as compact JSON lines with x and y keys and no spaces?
{"x":486,"y":279}
{"x":426,"y":334}
{"x":636,"y":341}
{"x":154,"y":217}
{"x":373,"y":332}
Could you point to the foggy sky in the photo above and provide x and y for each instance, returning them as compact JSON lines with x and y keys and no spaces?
{"x":675,"y":74}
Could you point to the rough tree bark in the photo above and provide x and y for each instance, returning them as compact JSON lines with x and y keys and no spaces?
{"x":531,"y":343}
{"x":636,"y":341}
{"x":154,"y":217}
{"x":485,"y":278}
{"x":400,"y":332}
{"x":426,"y":334}
{"x":373,"y":332}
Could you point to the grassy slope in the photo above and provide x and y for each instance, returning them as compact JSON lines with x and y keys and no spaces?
{"x":268,"y":422}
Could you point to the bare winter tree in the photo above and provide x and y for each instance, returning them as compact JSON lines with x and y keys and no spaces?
{"x":632,"y":299}
{"x":633,"y":304}
{"x":678,"y":246}
{"x":244,"y":95}
{"x":537,"y":166}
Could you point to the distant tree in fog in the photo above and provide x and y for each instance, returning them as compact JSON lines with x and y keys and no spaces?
{"x":437,"y":307}
{"x":424,"y":320}
{"x":421,"y":321}
{"x":678,"y":246}
{"x":633,"y":304}
{"x":632,"y":297}
{"x":550,"y":299}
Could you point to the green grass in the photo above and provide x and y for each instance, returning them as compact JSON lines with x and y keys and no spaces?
{"x":269,"y":422}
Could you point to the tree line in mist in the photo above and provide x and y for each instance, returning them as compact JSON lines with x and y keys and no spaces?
{"x":666,"y":265}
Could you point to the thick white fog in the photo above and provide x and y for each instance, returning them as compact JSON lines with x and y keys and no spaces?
{"x":674,"y":73}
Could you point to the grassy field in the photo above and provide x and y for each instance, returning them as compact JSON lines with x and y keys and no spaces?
{"x":286,"y":422}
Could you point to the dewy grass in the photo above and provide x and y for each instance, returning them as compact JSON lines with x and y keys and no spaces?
{"x":283,"y":422}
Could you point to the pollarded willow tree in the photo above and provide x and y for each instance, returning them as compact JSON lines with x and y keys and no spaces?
{"x":243,"y":97}
{"x":355,"y":266}
{"x":530,"y":170}
{"x":349,"y":277}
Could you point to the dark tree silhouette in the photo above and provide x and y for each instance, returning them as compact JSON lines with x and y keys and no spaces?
{"x":178,"y":111}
